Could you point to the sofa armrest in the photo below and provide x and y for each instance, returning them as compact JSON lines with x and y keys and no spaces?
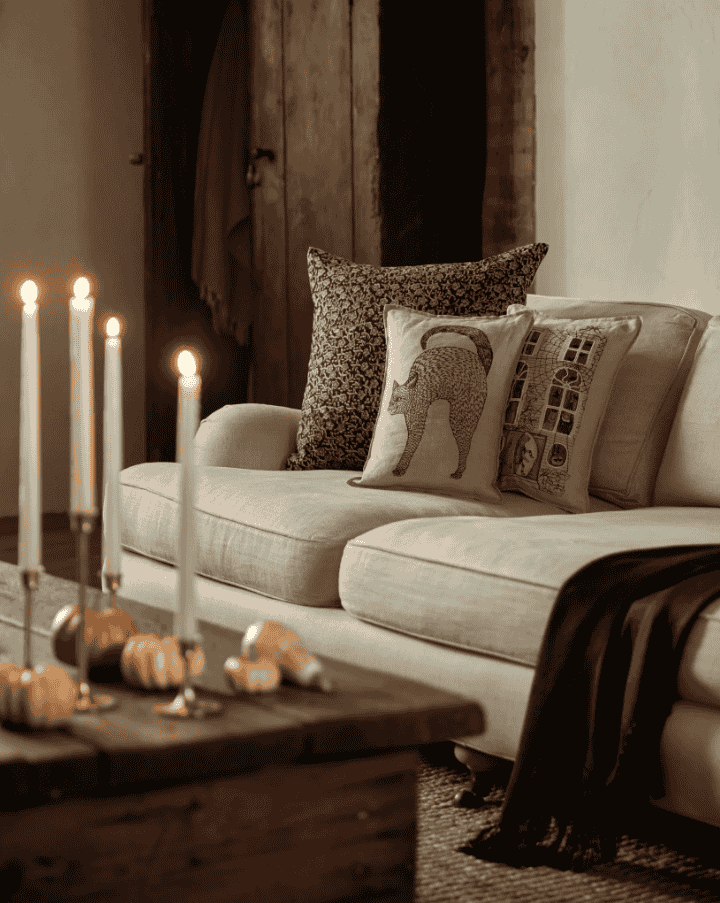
{"x":251,"y":436}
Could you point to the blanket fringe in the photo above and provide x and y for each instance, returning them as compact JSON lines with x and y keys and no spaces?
{"x":539,"y":842}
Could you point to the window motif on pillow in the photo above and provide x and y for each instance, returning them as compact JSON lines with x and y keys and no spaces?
{"x":547,"y":401}
{"x":555,"y":406}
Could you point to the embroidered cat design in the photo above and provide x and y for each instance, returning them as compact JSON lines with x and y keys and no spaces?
{"x":455,"y":374}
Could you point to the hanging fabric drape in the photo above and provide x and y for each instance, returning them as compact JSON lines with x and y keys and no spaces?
{"x":222,"y":246}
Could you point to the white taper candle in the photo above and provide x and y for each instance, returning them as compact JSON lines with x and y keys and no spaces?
{"x":113,"y":448}
{"x":82,"y":408}
{"x":189,"y":386}
{"x":30,"y":510}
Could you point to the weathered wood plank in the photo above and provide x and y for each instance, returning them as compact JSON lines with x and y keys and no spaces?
{"x":322,"y":832}
{"x":139,"y":746}
{"x":509,"y":202}
{"x":319,"y":157}
{"x":44,"y":766}
{"x":366,"y":155}
{"x":270,"y":377}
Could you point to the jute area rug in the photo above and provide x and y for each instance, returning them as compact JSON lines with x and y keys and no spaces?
{"x":663,"y":858}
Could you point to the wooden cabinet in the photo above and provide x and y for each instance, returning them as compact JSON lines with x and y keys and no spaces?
{"x":375,"y":116}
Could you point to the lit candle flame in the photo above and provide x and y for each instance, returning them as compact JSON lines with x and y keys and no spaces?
{"x":81,"y":288}
{"x":112,"y":327}
{"x":29,"y":293}
{"x":186,"y":363}
{"x":80,"y":300}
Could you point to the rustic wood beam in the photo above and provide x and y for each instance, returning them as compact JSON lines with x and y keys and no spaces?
{"x":509,"y":199}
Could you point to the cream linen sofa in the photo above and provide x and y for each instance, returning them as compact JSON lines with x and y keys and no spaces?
{"x":450,"y":592}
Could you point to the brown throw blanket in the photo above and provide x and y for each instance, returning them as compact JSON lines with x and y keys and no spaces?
{"x":605,"y":683}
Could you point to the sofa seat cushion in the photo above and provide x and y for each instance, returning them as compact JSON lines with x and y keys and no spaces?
{"x":489,"y":586}
{"x":279,"y":533}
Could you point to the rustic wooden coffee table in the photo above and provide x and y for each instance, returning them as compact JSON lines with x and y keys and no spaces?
{"x":296,"y":796}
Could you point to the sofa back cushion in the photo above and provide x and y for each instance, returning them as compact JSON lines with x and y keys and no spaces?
{"x":690,"y":470}
{"x":645,"y":396}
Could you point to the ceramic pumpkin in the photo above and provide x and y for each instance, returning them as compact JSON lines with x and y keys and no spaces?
{"x":262,"y":676}
{"x":106,"y":633}
{"x":39,"y":697}
{"x":155,"y":663}
{"x":273,"y":641}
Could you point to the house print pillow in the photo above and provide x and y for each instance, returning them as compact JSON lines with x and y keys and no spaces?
{"x":560,"y":391}
{"x":444,"y":393}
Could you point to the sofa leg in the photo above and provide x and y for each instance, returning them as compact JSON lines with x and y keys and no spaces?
{"x":483,"y":772}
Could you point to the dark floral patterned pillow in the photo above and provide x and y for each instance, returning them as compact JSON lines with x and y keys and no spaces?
{"x":347,"y":351}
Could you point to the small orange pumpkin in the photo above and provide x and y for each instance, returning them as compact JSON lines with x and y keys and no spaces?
{"x":151,"y":661}
{"x":274,"y":641}
{"x":262,"y":676}
{"x":106,"y":633}
{"x":39,"y":697}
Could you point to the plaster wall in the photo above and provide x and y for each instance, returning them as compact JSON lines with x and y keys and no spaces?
{"x":70,"y":205}
{"x":628,"y":149}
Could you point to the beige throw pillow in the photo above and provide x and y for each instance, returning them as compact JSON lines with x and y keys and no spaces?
{"x":444,"y":394}
{"x":690,"y":470}
{"x":556,"y":403}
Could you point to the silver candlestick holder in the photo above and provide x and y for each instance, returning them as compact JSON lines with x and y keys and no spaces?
{"x":186,"y":704}
{"x":113,"y":583}
{"x":82,"y":525}
{"x":30,"y":579}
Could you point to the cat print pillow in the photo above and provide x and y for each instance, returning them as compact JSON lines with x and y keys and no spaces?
{"x":444,"y":394}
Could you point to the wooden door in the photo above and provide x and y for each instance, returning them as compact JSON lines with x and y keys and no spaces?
{"x":301,"y":111}
{"x":270,"y":377}
{"x":375,"y":118}
{"x":377,"y":123}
